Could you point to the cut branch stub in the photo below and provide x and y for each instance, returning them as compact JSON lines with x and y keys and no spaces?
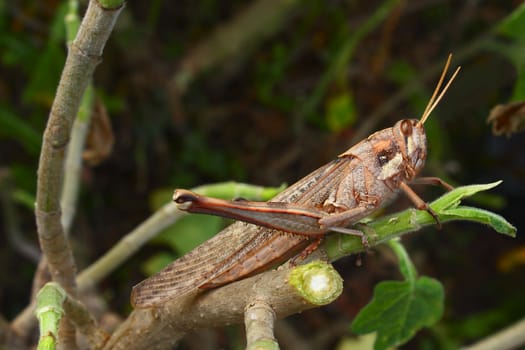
{"x":317,"y":282}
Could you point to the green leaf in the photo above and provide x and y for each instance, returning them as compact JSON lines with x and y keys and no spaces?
{"x":190,"y":231}
{"x":514,"y":25}
{"x":454,"y":197}
{"x":399,"y":309}
{"x":482,"y":216}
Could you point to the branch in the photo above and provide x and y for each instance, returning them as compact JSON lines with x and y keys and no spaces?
{"x":148,"y":328}
{"x":49,"y":312}
{"x":84,"y":54}
{"x":511,"y":337}
{"x":73,"y":162}
{"x":259,"y":319}
{"x":84,"y":322}
{"x":52,"y":303}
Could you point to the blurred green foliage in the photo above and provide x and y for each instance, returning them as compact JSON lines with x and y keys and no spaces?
{"x":289,"y":106}
{"x":340,"y":111}
{"x":12,"y":126}
{"x":35,"y":64}
{"x":513,"y":28}
{"x":271,"y":71}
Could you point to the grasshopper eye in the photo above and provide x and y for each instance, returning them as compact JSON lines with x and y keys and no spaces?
{"x":182,"y":199}
{"x":406,"y":127}
{"x":384,"y":156}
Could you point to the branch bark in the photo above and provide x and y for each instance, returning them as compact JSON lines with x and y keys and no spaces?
{"x":163,"y":327}
{"x":511,"y":337}
{"x":259,"y":319}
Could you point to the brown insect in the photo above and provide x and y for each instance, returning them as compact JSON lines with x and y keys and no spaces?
{"x":342,"y":192}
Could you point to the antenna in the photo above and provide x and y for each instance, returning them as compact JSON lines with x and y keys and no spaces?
{"x":433,"y":102}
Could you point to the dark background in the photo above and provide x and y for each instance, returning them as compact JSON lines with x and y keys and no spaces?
{"x":252,"y":117}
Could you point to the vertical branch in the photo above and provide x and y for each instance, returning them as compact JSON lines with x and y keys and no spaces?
{"x":83,"y":56}
{"x":259,"y":319}
{"x":73,"y":162}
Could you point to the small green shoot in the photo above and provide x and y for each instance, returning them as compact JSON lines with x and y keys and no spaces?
{"x":49,"y":311}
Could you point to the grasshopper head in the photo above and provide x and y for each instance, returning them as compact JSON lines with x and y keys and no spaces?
{"x":410,"y":133}
{"x":412,"y":142}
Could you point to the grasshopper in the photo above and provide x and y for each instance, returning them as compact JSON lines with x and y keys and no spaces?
{"x":342,"y":192}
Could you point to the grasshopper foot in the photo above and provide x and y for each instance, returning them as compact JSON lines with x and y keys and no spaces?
{"x":352,"y":232}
